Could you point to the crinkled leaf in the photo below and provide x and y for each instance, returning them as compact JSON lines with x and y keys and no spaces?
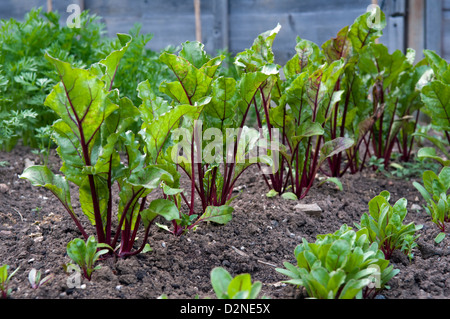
{"x":80,"y":100}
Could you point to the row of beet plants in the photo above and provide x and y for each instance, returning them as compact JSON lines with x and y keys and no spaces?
{"x":327,"y":110}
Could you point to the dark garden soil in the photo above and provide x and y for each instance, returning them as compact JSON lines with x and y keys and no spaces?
{"x":34,"y":232}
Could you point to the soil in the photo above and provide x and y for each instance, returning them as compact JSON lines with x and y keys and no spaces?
{"x":34,"y":232}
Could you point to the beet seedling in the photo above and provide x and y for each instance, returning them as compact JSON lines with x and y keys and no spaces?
{"x":239,"y":287}
{"x":435,"y":191}
{"x":342,"y":265}
{"x":385,"y":224}
{"x":5,"y":279}
{"x":86,"y":254}
{"x":34,"y":277}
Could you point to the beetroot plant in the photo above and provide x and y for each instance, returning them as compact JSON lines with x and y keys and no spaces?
{"x":436,"y":192}
{"x":341,"y":265}
{"x":5,"y":278}
{"x":297,"y":107}
{"x":385,"y":225}
{"x":202,"y":132}
{"x":92,"y":122}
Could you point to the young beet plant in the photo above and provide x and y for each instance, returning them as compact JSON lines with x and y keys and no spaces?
{"x":36,"y":280}
{"x":239,"y":287}
{"x":202,"y":131}
{"x":436,"y":192}
{"x":346,"y":116}
{"x":436,"y":93}
{"x":342,"y":265}
{"x":86,"y":254}
{"x":298,"y":108}
{"x":5,"y":278}
{"x":385,"y":225}
{"x":92,"y":121}
{"x":380,"y":101}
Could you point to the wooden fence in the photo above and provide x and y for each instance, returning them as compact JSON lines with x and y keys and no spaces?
{"x":233,"y":24}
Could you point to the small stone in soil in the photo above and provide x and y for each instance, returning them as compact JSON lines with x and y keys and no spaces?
{"x":310,"y":209}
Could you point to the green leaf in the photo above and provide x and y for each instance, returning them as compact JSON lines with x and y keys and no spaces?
{"x":42,"y":176}
{"x":152,"y":105}
{"x":217,"y":214}
{"x":334,"y":180}
{"x":436,"y":96}
{"x":308,"y":54}
{"x":220,"y":280}
{"x":80,"y":100}
{"x":192,"y":84}
{"x":423,"y":191}
{"x":76,"y":250}
{"x":101,"y":194}
{"x":272,"y":193}
{"x":444,"y":177}
{"x":157,"y":133}
{"x":171,"y":191}
{"x":367,"y":28}
{"x":160,"y":207}
{"x":111,"y":62}
{"x":439,"y":65}
{"x":256,"y":289}
{"x":337,"y":254}
{"x":194,"y":53}
{"x":334,"y":147}
{"x":147,"y":249}
{"x":352,"y":288}
{"x":240,"y":283}
{"x":249,"y":83}
{"x":289,"y":195}
{"x":338,"y":47}
{"x":224,"y":101}
{"x":150,"y":177}
{"x":440,"y":237}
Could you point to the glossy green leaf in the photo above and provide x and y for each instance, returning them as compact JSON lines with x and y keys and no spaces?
{"x":367,"y":28}
{"x":436,"y":97}
{"x":42,"y":176}
{"x":160,"y":207}
{"x":80,"y":100}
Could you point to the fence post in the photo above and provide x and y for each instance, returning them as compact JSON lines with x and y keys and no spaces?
{"x":198,"y":21}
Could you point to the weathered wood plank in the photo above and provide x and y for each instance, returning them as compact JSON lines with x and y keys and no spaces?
{"x":295,"y":6}
{"x":433,"y":25}
{"x":446,"y":4}
{"x":446,"y":36}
